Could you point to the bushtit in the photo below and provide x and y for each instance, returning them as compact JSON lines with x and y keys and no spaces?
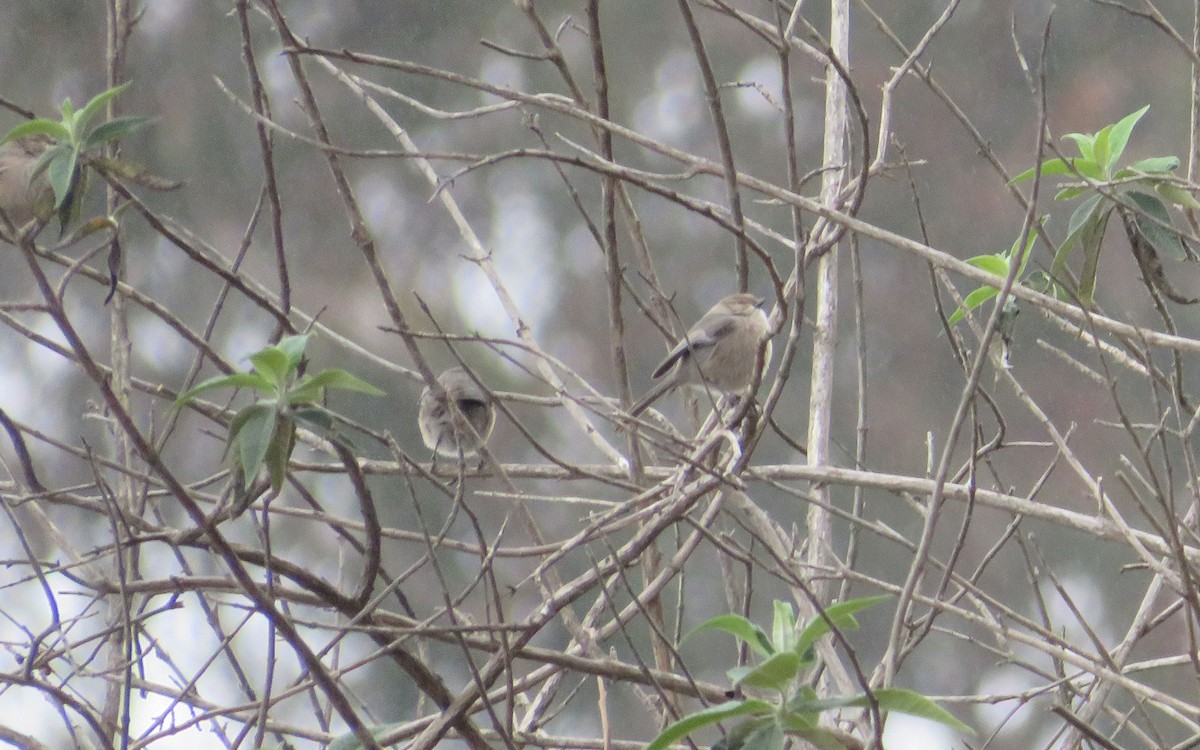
{"x":459,"y":417}
{"x":719,"y":352}
{"x":23,"y":195}
{"x":1005,"y":324}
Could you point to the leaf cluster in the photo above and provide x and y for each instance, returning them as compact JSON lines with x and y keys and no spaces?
{"x":999,"y":264}
{"x":75,"y":137}
{"x":264,"y":432}
{"x":1138,"y":192}
{"x":787,"y":655}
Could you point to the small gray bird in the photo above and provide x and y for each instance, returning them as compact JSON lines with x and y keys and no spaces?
{"x":23,"y":195}
{"x":719,"y":352}
{"x":458,"y":418}
{"x":1006,"y":322}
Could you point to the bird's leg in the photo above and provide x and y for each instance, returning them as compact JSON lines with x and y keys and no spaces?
{"x":753,"y":415}
{"x":750,"y":415}
{"x":728,"y":406}
{"x":459,"y":478}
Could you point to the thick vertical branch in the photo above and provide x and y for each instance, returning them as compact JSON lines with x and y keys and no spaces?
{"x":820,"y":405}
{"x":120,"y":17}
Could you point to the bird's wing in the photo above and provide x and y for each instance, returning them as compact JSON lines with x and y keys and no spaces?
{"x":701,"y":337}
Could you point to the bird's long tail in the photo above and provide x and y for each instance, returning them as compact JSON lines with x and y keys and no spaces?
{"x":663,"y":386}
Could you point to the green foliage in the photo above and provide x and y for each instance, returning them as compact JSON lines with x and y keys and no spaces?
{"x":75,"y":137}
{"x":788,"y":655}
{"x":709,"y":716}
{"x":264,"y":432}
{"x":842,"y":617}
{"x":1000,"y":265}
{"x":1137,"y":192}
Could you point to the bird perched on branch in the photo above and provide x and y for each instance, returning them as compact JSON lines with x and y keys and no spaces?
{"x":458,"y":417}
{"x":25,"y":195}
{"x":720,"y":352}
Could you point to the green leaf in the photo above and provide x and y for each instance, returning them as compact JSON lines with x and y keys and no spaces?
{"x":895,"y":699}
{"x":132,"y":171}
{"x":767,"y":737}
{"x":1154,"y":224}
{"x":63,"y":172}
{"x":737,"y":737}
{"x":996,"y":265}
{"x":92,"y":108}
{"x":1153,"y":165}
{"x":304,"y":393}
{"x":783,"y":626}
{"x":1049,"y":167}
{"x":245,"y":415}
{"x":335,"y":378}
{"x":1089,"y":217}
{"x":115,"y":129}
{"x":1100,"y":153}
{"x":319,"y":421}
{"x":1076,"y":166}
{"x":805,"y":695}
{"x":272,"y":363}
{"x":775,"y":673}
{"x":915,"y":704}
{"x":740,"y":628}
{"x":1120,"y":135}
{"x":1091,"y":238}
{"x":708,"y":717}
{"x":254,"y":439}
{"x":840,"y":614}
{"x":59,"y":150}
{"x":315,"y":416}
{"x":1085,"y":144}
{"x":735,"y":674}
{"x":822,"y":739}
{"x":68,"y":113}
{"x":1177,"y":195}
{"x":972,"y":301}
{"x":1039,"y":281}
{"x":39,"y":126}
{"x":293,"y":347}
{"x":1089,"y":169}
{"x":69,"y":210}
{"x":1080,"y":216}
{"x":1067,"y":194}
{"x":1027,"y":251}
{"x":279,"y":451}
{"x":811,"y":732}
{"x":234,"y":380}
